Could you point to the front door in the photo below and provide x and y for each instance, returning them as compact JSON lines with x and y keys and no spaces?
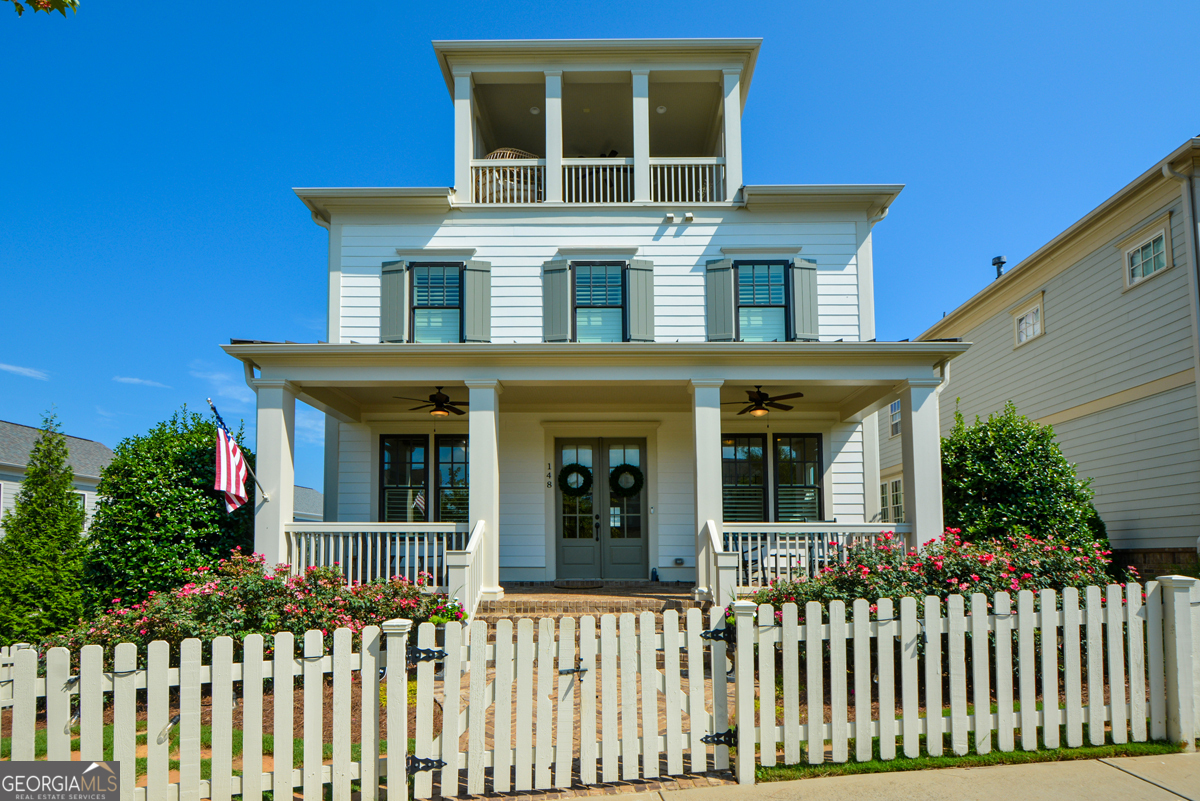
{"x":601,"y":533}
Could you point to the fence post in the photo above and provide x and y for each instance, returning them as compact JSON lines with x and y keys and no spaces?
{"x":725,"y":582}
{"x":1178,"y":652}
{"x":396,"y":632}
{"x":458,"y":578}
{"x":744,"y":613}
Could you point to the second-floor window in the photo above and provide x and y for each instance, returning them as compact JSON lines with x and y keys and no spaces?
{"x":599,"y":302}
{"x":437,"y":303}
{"x":761,"y":302}
{"x":1147,"y":259}
{"x":894,"y":418}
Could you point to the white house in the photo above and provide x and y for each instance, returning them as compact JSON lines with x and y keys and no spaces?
{"x":584,"y":318}
{"x":86,"y":458}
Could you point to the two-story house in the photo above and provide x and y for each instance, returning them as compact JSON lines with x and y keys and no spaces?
{"x":599,"y":354}
{"x":1098,"y":334}
{"x":86,"y":458}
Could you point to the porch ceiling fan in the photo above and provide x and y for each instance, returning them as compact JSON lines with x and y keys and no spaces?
{"x":758,"y":401}
{"x":439,"y":404}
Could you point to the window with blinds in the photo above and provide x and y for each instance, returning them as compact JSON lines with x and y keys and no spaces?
{"x":403,"y":479}
{"x":780,"y":485}
{"x":797,"y":478}
{"x":452,"y":479}
{"x":599,"y":302}
{"x":761,"y":302}
{"x":744,"y":487}
{"x":437,"y":303}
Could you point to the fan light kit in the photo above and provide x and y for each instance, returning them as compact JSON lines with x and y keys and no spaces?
{"x":661,"y":109}
{"x":757,"y":402}
{"x":439,"y":404}
{"x":534,"y":110}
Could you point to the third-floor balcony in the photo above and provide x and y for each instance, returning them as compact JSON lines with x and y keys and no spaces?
{"x":509,"y":179}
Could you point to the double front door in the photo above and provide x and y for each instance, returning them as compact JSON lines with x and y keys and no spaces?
{"x":600,"y":491}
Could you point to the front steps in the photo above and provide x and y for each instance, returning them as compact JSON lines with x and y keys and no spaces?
{"x":579,"y":598}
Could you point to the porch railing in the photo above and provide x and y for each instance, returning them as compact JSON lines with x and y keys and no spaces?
{"x":368,"y":551}
{"x":598,"y":180}
{"x":769,"y":551}
{"x":692,"y":180}
{"x":508,"y":181}
{"x":464,"y":571}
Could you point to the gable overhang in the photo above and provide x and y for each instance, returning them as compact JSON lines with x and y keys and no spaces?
{"x":874,"y":199}
{"x":323,"y":201}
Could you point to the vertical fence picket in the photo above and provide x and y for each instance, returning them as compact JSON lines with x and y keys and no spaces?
{"x":934,"y":722}
{"x":862,"y":681}
{"x":838,"y":725}
{"x":1072,"y":678}
{"x":587,"y":699}
{"x":158,"y":712}
{"x":1049,"y":631}
{"x":342,"y":643}
{"x":283,"y":690}
{"x":1155,"y":661}
{"x":1095,"y":665}
{"x":1027,"y":670}
{"x":629,"y":724}
{"x":1005,"y":720}
{"x":790,"y":632}
{"x":124,"y":732}
{"x":957,"y":623}
{"x":887,"y":679}
{"x":767,"y":636}
{"x":565,"y":733}
{"x":24,"y":714}
{"x":91,"y":705}
{"x":814,"y":673}
{"x":58,"y":704}
{"x":672,"y":693}
{"x":980,"y":682}
{"x":1116,"y":663}
{"x":398,"y":633}
{"x":1137,"y":662}
{"x":743,"y":688}
{"x":477,"y":708}
{"x":502,"y":731}
{"x":609,"y":733}
{"x":189,"y":720}
{"x":423,"y":747}
{"x":545,"y":704}
{"x":697,"y":717}
{"x":649,"y":692}
{"x":368,"y":713}
{"x":252,"y":722}
{"x":909,"y":683}
{"x":314,"y":680}
{"x":720,"y":685}
{"x":222,"y":699}
{"x":451,"y":698}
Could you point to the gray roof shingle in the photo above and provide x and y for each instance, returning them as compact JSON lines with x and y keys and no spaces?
{"x":308,"y":501}
{"x":87,"y":458}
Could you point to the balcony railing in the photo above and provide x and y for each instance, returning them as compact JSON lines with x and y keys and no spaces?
{"x":692,"y":180}
{"x":508,"y":181}
{"x":598,"y":180}
{"x":368,"y":551}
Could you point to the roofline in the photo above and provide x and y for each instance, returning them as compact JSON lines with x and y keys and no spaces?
{"x":1033,"y":260}
{"x":878,"y":197}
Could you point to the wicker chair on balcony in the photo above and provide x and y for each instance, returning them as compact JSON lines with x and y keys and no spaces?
{"x":503,"y":185}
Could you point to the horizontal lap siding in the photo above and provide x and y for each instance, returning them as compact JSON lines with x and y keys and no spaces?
{"x":517,"y":246}
{"x":845,"y":474}
{"x":522,"y":493}
{"x":354,"y":474}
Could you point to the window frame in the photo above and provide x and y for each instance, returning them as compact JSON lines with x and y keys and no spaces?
{"x":432,"y":485}
{"x":1034,"y":304}
{"x":572,"y":277}
{"x":788,"y":313}
{"x":774,"y":482}
{"x":766,"y":479}
{"x":895,"y":419}
{"x":413,"y":266}
{"x":437,"y":471}
{"x":770,"y":512}
{"x":1160,"y":226}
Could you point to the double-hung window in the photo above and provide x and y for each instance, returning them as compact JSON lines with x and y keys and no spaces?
{"x":419,"y":484}
{"x":599,"y":301}
{"x":894,"y":418}
{"x":1147,"y":259}
{"x":782,"y":485}
{"x":761,"y":291}
{"x":891,"y":500}
{"x":437,"y":303}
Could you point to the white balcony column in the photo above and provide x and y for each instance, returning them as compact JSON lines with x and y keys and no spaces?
{"x":706,"y":410}
{"x":484,"y":493}
{"x":275,"y":453}
{"x":554,"y":137}
{"x":641,"y":135}
{"x":464,"y":136}
{"x":733,"y":133}
{"x":921,"y":446}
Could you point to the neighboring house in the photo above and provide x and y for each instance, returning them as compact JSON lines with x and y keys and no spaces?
{"x":308,"y":505}
{"x":581,"y":319}
{"x":86,"y":458}
{"x":1096,"y":333}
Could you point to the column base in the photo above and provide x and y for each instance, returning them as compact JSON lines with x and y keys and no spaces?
{"x":491,"y":593}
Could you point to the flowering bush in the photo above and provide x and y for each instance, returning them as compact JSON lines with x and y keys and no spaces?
{"x":947,"y":566}
{"x":242,"y":596}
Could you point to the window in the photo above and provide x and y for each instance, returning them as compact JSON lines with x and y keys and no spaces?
{"x":797,"y":478}
{"x":452,"y":474}
{"x":414,"y":491}
{"x":1146,"y":259}
{"x":1027,"y":321}
{"x":785,"y":488}
{"x":744,"y":488}
{"x":599,"y":302}
{"x":437,"y":303}
{"x":761,"y":301}
{"x":891,"y":501}
{"x":894,"y":415}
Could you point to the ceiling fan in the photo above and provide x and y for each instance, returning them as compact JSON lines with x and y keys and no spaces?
{"x":758,"y":402}
{"x":439,"y":404}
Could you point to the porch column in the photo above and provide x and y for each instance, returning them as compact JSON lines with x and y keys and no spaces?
{"x":733,"y":133}
{"x":275,"y":454}
{"x":706,"y":408}
{"x":464,"y":136}
{"x":921,"y":445}
{"x":641,"y":135}
{"x":554,"y":137}
{"x":484,"y":493}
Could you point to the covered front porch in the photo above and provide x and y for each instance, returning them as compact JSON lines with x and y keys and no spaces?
{"x":685,"y":480}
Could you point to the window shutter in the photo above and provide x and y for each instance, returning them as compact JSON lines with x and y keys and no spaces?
{"x":556,"y":301}
{"x":718,"y":300}
{"x":477,"y":301}
{"x":640,"y":302}
{"x":805,"y":326}
{"x":393,"y":302}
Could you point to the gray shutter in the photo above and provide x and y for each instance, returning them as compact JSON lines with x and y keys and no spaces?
{"x":477,"y":301}
{"x":556,"y":301}
{"x":640,"y":303}
{"x":718,"y":300}
{"x":804,"y":300}
{"x":393,"y":302}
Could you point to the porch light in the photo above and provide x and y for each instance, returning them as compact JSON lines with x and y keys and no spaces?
{"x":759,"y":411}
{"x":438,"y":411}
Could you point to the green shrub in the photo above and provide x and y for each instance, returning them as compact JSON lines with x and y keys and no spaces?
{"x":41,"y":555}
{"x":158,"y":514}
{"x":1006,"y":475}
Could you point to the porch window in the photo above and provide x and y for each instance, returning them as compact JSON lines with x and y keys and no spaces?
{"x":761,"y":302}
{"x":797,"y":478}
{"x":453,"y":471}
{"x":744,"y":486}
{"x":782,"y":485}
{"x":599,"y":302}
{"x":403,"y":477}
{"x":437,"y":303}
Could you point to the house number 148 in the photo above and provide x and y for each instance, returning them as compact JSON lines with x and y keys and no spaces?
{"x":549,"y":476}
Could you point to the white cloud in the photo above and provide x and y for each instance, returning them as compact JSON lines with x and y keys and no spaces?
{"x":142,"y":382}
{"x":225,"y":385}
{"x":28,"y":372}
{"x":310,"y":425}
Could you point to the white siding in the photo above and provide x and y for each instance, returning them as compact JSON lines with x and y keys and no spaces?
{"x":845,"y":474}
{"x":355,"y":476}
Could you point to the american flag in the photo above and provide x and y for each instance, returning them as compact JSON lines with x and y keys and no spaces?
{"x":231,"y":468}
{"x":419,"y":503}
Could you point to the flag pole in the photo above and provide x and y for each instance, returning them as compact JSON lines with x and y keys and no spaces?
{"x":249,"y":469}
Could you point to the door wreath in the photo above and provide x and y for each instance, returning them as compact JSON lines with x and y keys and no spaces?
{"x":585,"y":482}
{"x":626,"y":489}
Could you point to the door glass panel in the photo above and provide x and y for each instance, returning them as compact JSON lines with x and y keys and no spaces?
{"x":452,"y":479}
{"x":577,"y":513}
{"x":624,"y":514}
{"x":403,"y":463}
{"x":743,"y":482}
{"x":797,"y":478}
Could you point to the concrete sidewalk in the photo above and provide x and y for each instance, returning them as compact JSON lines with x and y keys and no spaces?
{"x":1149,"y":778}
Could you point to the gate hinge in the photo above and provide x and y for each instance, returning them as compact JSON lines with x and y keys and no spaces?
{"x":425,"y":654}
{"x":419,"y":765}
{"x":728,"y":634}
{"x":728,"y":737}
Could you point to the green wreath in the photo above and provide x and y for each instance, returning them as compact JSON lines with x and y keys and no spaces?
{"x":575,"y":469}
{"x":614,"y":481}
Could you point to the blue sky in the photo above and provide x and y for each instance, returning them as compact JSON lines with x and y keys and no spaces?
{"x":149,"y":152}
